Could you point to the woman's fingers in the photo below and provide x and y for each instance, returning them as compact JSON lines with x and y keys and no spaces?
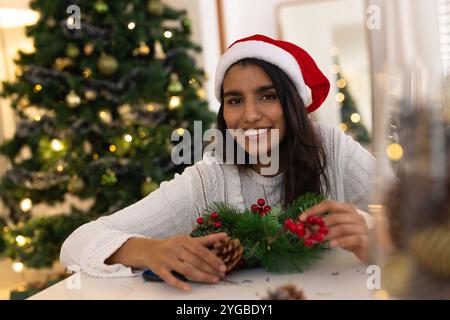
{"x":327,"y":206}
{"x":342,"y":218}
{"x":171,"y":280}
{"x":211,"y":238}
{"x":193,"y":273}
{"x":197,"y":247}
{"x":343,"y":230}
{"x":199,"y":263}
{"x":358,"y":244}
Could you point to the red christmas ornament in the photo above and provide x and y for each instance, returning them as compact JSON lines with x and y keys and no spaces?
{"x":261,"y":202}
{"x":214,"y":215}
{"x":267,"y":208}
{"x":200,"y":220}
{"x":255,"y":208}
{"x":217,"y":224}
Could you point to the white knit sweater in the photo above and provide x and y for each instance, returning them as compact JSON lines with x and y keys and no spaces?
{"x":174,"y":207}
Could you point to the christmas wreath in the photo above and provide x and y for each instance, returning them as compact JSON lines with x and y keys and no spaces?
{"x":262,"y":236}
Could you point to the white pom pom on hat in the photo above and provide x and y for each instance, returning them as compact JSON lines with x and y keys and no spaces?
{"x":311,"y":83}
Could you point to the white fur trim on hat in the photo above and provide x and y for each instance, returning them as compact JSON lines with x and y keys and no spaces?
{"x":269,"y":53}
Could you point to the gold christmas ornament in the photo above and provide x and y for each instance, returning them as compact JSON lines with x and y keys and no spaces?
{"x":50,"y":22}
{"x":230,"y":251}
{"x":159,"y":51}
{"x":194,"y":83}
{"x":105,"y":116}
{"x":108,"y":178}
{"x":201,"y":93}
{"x":72,"y":51}
{"x":76,"y":184}
{"x":87,"y":72}
{"x":155,"y":7}
{"x":88,"y":49}
{"x":18,"y":72}
{"x":107,"y":64}
{"x":153,"y":107}
{"x":24,"y":102}
{"x":175,"y":87}
{"x":72,"y":99}
{"x":100,"y":6}
{"x":142,"y":50}
{"x":90,"y":95}
{"x":24,"y":154}
{"x":124,"y":109}
{"x":129,"y":8}
{"x":61,"y":63}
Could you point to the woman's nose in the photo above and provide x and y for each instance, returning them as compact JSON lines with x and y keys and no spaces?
{"x":252,"y":114}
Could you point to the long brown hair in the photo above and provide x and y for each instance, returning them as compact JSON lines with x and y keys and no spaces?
{"x":302,"y":155}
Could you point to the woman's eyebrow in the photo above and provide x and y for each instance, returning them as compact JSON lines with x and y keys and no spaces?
{"x":257,"y":90}
{"x":264,"y":88}
{"x":232,"y":93}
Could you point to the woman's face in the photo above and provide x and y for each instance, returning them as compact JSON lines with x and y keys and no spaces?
{"x":251,"y":106}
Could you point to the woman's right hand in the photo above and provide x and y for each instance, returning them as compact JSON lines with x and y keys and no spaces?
{"x":183,"y":254}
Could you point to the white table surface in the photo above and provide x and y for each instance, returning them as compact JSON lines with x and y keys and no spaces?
{"x":338,"y":275}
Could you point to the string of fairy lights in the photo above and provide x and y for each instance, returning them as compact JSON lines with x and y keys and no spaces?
{"x":394,"y":150}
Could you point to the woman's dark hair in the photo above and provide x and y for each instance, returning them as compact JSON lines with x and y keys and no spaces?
{"x":302,"y":156}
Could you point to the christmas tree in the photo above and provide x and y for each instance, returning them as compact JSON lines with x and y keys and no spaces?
{"x":96,"y":103}
{"x":351,"y":118}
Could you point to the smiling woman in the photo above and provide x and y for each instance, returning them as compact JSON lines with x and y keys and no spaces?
{"x":266,"y":87}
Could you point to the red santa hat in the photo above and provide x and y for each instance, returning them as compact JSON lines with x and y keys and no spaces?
{"x":311,"y":84}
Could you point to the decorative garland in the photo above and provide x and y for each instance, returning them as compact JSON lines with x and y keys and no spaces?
{"x":272,"y":238}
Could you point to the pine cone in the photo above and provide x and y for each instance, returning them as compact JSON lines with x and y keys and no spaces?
{"x":230,"y":251}
{"x":286,"y":292}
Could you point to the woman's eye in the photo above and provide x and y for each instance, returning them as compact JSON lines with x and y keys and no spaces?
{"x":269,"y":97}
{"x":234,"y":101}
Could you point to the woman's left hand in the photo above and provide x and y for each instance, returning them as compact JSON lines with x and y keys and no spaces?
{"x":347,"y":228}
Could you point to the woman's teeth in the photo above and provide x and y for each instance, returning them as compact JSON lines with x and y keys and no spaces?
{"x":255,"y":132}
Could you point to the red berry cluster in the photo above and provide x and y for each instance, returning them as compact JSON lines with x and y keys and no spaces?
{"x":313,"y":230}
{"x":261,"y":208}
{"x":214,"y":216}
